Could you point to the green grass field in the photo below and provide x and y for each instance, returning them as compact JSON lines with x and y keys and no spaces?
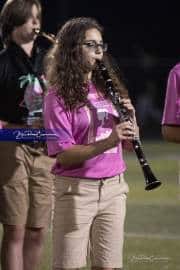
{"x":152,"y":227}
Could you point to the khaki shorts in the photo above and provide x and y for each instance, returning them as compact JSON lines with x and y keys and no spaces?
{"x":25,"y":185}
{"x":89,"y":219}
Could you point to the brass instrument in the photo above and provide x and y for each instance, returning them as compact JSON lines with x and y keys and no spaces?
{"x":50,"y":37}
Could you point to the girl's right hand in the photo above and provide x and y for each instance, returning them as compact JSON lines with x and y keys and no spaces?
{"x":122,"y":131}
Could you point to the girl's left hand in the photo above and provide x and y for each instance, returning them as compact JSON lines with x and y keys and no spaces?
{"x":127,"y":104}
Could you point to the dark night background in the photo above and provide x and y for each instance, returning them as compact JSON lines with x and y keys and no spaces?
{"x":144,"y":39}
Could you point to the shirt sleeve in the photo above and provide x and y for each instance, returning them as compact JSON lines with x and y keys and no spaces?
{"x":57,"y":121}
{"x":171,"y":113}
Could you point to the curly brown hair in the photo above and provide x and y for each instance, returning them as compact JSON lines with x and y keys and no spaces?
{"x":65,"y":67}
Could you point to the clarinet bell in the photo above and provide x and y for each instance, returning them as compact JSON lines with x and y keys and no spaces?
{"x":152,"y":183}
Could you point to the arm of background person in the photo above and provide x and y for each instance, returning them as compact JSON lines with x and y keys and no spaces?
{"x":171,"y":133}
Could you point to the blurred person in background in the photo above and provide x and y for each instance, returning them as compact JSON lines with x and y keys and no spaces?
{"x":171,"y":114}
{"x":25,"y":178}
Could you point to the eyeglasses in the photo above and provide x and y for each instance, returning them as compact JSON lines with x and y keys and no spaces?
{"x":92,"y":45}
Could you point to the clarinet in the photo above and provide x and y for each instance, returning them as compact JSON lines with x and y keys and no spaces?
{"x":150,"y":180}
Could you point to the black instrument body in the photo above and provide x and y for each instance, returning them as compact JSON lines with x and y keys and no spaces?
{"x":150,"y":180}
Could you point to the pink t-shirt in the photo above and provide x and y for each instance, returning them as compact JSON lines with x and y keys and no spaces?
{"x":83,"y":126}
{"x":171,"y":114}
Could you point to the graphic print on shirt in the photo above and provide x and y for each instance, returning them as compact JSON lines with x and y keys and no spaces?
{"x":33,"y":99}
{"x":100,"y":114}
